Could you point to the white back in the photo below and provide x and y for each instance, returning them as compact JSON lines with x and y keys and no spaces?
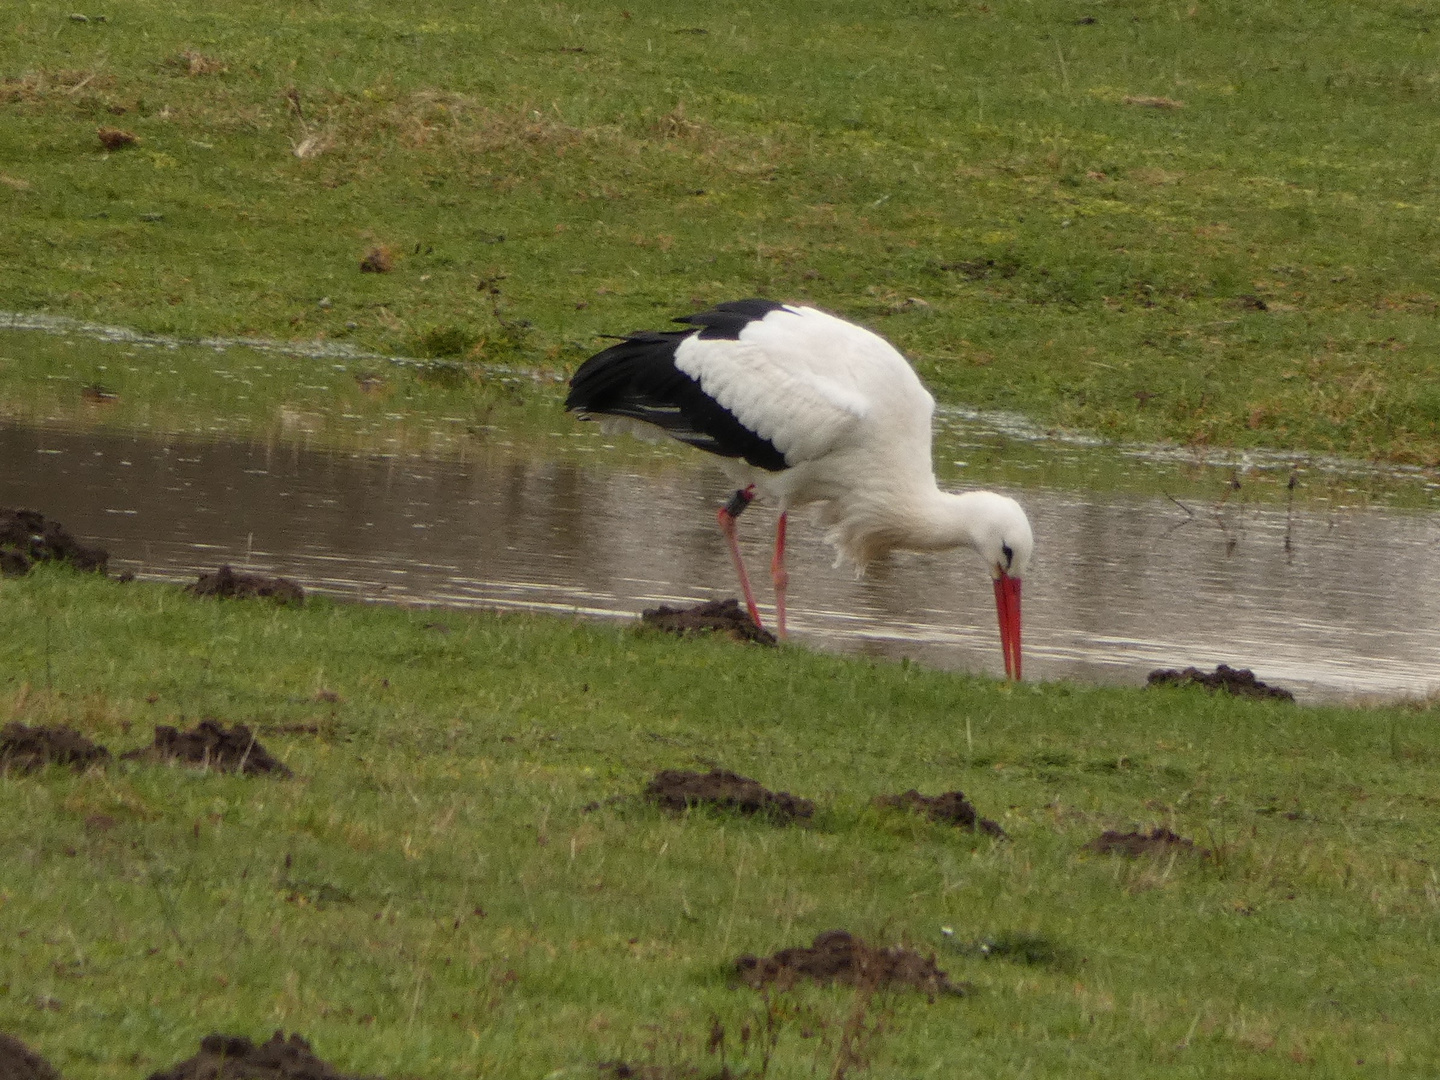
{"x":815,"y":385}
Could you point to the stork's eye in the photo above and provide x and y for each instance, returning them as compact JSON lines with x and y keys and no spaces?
{"x":1009,"y":554}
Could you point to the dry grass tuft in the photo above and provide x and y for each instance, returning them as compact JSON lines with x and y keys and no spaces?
{"x":37,"y":86}
{"x":676,"y":125}
{"x":312,"y":145}
{"x":432,"y":117}
{"x":1153,"y":102}
{"x":193,"y":64}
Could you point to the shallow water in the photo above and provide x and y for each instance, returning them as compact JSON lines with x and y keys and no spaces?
{"x":1333,"y":603}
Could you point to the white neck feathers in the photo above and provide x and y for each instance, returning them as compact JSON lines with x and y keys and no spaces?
{"x":928,"y":519}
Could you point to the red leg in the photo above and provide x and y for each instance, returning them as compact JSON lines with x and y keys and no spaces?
{"x":726,"y":517}
{"x":780,"y":576}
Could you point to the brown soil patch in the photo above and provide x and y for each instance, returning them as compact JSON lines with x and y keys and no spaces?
{"x":951,"y":808}
{"x":26,"y":538}
{"x":24,"y":749}
{"x":1238,"y":681}
{"x":19,"y":1062}
{"x":378,"y":260}
{"x":234,"y":1057}
{"x":839,"y":956}
{"x":115,"y":138}
{"x":210,"y":746}
{"x":1158,"y":841}
{"x":718,"y":616}
{"x":227,"y":584}
{"x":677,"y":789}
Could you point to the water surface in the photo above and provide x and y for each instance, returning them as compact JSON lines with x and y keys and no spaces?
{"x":1334,"y":603}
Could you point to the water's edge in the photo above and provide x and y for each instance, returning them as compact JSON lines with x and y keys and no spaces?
{"x":1309,"y":599}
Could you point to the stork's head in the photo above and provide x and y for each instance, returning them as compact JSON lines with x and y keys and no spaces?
{"x":1000,"y":532}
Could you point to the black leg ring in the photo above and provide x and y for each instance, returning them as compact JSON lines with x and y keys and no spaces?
{"x":739,"y":501}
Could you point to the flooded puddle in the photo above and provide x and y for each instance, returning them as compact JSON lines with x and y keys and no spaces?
{"x":1332,"y":603}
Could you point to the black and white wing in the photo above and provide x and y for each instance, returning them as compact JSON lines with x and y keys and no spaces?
{"x":771,"y":383}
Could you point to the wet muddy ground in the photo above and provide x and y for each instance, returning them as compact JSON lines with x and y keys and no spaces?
{"x":19,"y":1062}
{"x":678,"y":790}
{"x":27,"y":537}
{"x":837,"y":956}
{"x":713,"y":617}
{"x":209,"y":745}
{"x":951,"y":808}
{"x":234,"y":1057}
{"x":1238,"y":681}
{"x":24,"y":749}
{"x":228,"y":584}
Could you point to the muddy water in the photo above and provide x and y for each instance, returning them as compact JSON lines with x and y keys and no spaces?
{"x":1332,"y":603}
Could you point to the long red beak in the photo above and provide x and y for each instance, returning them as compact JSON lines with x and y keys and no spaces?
{"x":1007,"y":607}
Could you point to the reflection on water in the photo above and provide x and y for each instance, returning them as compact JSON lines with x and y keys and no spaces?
{"x":1331,"y":603}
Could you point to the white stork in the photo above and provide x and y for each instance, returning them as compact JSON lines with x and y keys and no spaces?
{"x":804,"y":407}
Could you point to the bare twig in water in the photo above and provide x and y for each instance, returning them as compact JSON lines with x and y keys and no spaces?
{"x":1182,"y":506}
{"x":1290,"y":508}
{"x":1189,"y":515}
{"x":1231,"y":541}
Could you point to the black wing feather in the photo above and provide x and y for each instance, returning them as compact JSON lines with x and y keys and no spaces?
{"x":728,"y":319}
{"x":638,"y":379}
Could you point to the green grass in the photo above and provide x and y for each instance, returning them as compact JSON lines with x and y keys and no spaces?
{"x":981,"y":182}
{"x":432,"y":897}
{"x":362,"y":403}
{"x":435,"y":895}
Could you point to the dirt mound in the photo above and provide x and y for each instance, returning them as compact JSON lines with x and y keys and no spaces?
{"x":1158,"y":841}
{"x":839,"y":956}
{"x":951,"y":808}
{"x":19,"y":1062}
{"x":209,"y":745}
{"x":24,"y":749}
{"x":234,"y":1057}
{"x":677,"y":789}
{"x":227,"y":584}
{"x":717,"y":616}
{"x":1238,"y":681}
{"x":26,"y":538}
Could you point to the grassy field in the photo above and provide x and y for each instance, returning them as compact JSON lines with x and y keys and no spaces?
{"x":1212,"y":223}
{"x":1209,"y":222}
{"x":438,"y":894}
